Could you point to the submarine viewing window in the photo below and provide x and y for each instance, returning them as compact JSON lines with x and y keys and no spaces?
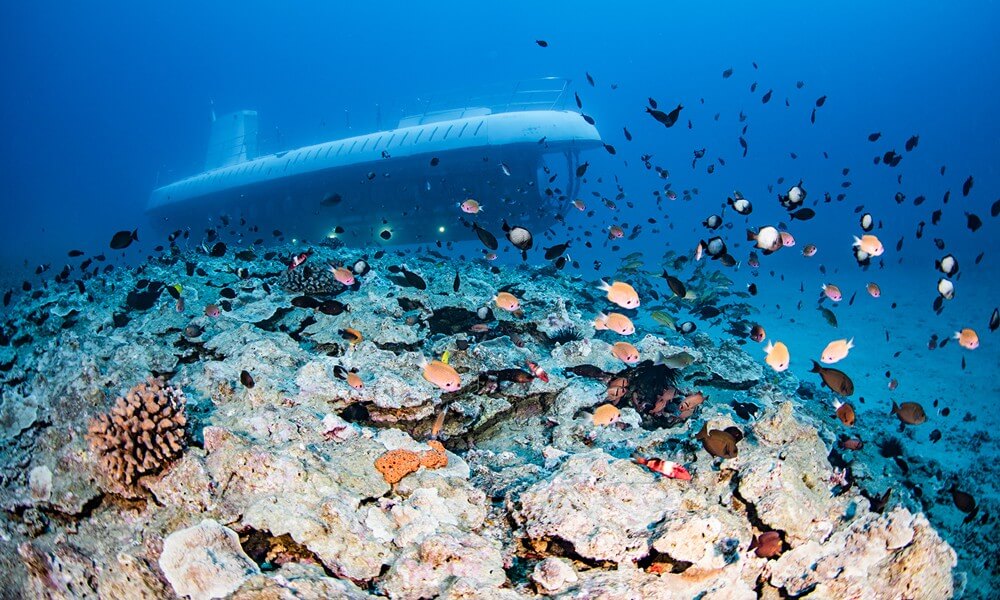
{"x":462,"y":130}
{"x":476,"y":132}
{"x":431,"y":137}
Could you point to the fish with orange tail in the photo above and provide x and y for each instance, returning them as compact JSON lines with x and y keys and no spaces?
{"x":667,"y":468}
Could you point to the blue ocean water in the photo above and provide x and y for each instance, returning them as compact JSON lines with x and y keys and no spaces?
{"x":103,"y":103}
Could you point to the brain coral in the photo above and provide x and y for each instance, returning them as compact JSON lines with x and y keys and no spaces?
{"x":143,"y":432}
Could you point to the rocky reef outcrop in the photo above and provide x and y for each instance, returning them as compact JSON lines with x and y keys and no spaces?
{"x":285,"y":489}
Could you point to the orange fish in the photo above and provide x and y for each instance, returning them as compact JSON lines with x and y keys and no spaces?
{"x":212,"y":311}
{"x":836,"y":351}
{"x":443,"y":375}
{"x":343,"y":275}
{"x":845,"y":412}
{"x":625,"y":352}
{"x":354,"y":381}
{"x":874,"y":290}
{"x":787,"y":240}
{"x":507,"y":301}
{"x":967,"y":339}
{"x":869,"y":244}
{"x":616,"y":322}
{"x":691,"y":402}
{"x":615,"y":232}
{"x":621,"y":293}
{"x":777,"y":356}
{"x":832,"y":292}
{"x":353,"y":336}
{"x":605,"y":414}
{"x":579,"y":205}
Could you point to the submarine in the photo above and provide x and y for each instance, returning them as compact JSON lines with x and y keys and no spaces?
{"x":398,"y":186}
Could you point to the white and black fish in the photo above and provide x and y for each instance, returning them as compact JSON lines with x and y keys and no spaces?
{"x":867,"y":222}
{"x":947,"y":265}
{"x":740,"y":204}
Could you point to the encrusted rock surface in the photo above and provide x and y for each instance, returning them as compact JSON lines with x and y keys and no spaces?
{"x":205,"y":561}
{"x":523,"y":497}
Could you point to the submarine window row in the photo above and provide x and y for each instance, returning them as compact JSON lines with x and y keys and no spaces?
{"x":255,"y":165}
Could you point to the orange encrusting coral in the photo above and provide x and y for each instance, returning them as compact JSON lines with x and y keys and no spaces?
{"x":394,"y":465}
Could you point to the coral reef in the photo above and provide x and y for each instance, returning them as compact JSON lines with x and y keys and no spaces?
{"x":142,"y":434}
{"x":306,"y":486}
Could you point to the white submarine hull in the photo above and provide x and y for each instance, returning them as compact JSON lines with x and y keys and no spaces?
{"x":382,"y":181}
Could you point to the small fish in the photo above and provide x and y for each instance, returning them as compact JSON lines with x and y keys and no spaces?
{"x":666,"y":468}
{"x":662,"y":318}
{"x":740,"y":204}
{"x":718,"y":443}
{"x":676,"y":286}
{"x":836,"y":351}
{"x":787,"y":240}
{"x":967,"y":339}
{"x":853,"y":444}
{"x":615,"y":232}
{"x":967,"y":186}
{"x":994,"y":318}
{"x":777,"y":356}
{"x":542,"y":43}
{"x":343,"y":275}
{"x":910,"y":413}
{"x":443,"y":376}
{"x":537,"y":371}
{"x":487,"y":238}
{"x":556,"y":251}
{"x":123,"y":239}
{"x":666,"y":119}
{"x":625,"y":352}
{"x":947,"y":265}
{"x":845,"y":412}
{"x":836,"y":380}
{"x":867,"y":222}
{"x":354,"y":380}
{"x":620,"y":293}
{"x":687,"y":327}
{"x":297,"y":260}
{"x":246,"y":379}
{"x":580,"y":205}
{"x":616,"y":322}
{"x":353,"y":336}
{"x":869,"y":244}
{"x":507,"y":301}
{"x":832,"y":292}
{"x":582,"y":169}
{"x":874,"y":289}
{"x":471,"y":207}
{"x":946,"y":288}
{"x":809,"y":250}
{"x":766,"y":238}
{"x":505,"y":169}
{"x":757,"y":333}
{"x":803,"y":214}
{"x":691,"y":402}
{"x":605,"y":414}
{"x":212,"y":310}
{"x":767,"y":544}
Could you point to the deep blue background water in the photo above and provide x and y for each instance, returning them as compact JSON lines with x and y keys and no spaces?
{"x":103,"y":101}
